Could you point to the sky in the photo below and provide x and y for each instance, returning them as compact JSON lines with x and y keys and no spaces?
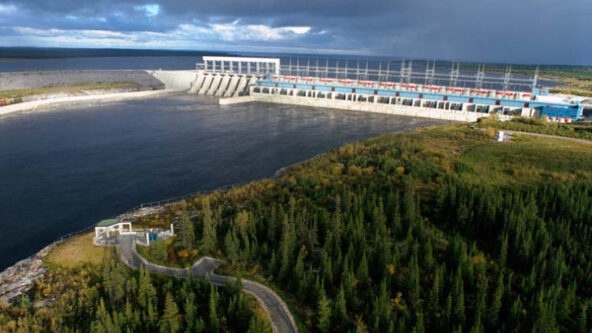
{"x":506,"y":31}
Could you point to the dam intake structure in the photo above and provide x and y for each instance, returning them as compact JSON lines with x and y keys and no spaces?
{"x":215,"y":79}
{"x":429,"y":92}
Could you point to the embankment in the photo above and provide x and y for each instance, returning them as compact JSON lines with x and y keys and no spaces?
{"x":33,"y":80}
{"x":102,"y":96}
{"x":32,"y":90}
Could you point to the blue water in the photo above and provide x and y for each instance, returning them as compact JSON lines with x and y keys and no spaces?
{"x":65,"y":169}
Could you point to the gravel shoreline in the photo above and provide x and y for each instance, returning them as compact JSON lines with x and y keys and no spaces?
{"x":32,"y":80}
{"x":91,"y":99}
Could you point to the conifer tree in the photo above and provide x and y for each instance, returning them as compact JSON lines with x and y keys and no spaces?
{"x":232,"y":245}
{"x":258,"y":326}
{"x":187,"y":232}
{"x":146,"y":291}
{"x":214,"y":321}
{"x":496,"y":301}
{"x":209,"y":239}
{"x":459,"y":298}
{"x":169,"y":322}
{"x":190,"y":311}
{"x":323,"y":313}
{"x":340,"y":307}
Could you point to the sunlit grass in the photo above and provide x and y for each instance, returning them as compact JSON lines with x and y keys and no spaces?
{"x":76,"y":251}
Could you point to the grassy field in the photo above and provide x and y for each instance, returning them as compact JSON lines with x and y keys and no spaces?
{"x":76,"y":251}
{"x":73,"y":89}
{"x":474,"y":156}
{"x":574,"y":86}
{"x":528,"y":160}
{"x":571,"y":130}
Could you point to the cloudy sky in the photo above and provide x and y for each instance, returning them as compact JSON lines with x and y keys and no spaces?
{"x":523,"y":31}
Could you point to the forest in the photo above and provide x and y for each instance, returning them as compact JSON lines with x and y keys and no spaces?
{"x":111,"y":298}
{"x":441,"y":229}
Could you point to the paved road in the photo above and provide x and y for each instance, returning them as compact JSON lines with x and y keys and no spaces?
{"x":280,"y":317}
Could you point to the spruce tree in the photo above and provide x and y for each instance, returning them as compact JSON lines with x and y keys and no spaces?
{"x":187,"y":232}
{"x":169,"y":322}
{"x":496,"y":301}
{"x":209,"y":239}
{"x":459,"y":298}
{"x":323,"y":313}
{"x":146,"y":291}
{"x":213,"y":304}
{"x":340,"y":307}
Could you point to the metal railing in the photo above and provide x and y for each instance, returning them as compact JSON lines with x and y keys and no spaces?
{"x":129,"y":211}
{"x":178,"y":198}
{"x":428,"y":73}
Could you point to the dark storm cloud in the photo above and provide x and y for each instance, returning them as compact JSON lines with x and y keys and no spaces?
{"x":534,"y":31}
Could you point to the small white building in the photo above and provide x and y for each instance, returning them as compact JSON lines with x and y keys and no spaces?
{"x":106,"y":233}
{"x":112,"y":227}
{"x":500,"y":136}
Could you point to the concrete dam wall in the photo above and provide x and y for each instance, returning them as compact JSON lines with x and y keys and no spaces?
{"x":243,"y":88}
{"x":361,"y":103}
{"x":175,"y":80}
{"x":205,"y":84}
{"x":221,"y":85}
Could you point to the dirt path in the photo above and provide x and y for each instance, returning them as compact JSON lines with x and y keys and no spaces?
{"x":280,"y":317}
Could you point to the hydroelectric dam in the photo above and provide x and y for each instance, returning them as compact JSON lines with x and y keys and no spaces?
{"x":358,"y":86}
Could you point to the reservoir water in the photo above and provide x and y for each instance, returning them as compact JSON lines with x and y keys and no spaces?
{"x":64,"y":169}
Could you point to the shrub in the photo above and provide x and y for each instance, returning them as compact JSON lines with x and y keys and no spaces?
{"x":158,"y":249}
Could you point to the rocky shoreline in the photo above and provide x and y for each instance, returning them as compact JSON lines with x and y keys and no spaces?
{"x":19,"y":278}
{"x":33,"y":80}
{"x":89,"y":92}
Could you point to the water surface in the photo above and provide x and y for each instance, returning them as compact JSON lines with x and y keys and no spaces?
{"x":64,"y":169}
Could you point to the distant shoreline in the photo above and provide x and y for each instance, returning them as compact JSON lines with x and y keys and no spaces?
{"x":73,"y":100}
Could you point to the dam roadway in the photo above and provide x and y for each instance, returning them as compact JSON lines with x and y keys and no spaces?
{"x":279,"y":315}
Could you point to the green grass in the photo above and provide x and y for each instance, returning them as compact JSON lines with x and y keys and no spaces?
{"x":71,"y":89}
{"x":574,"y":86}
{"x":76,"y":252}
{"x":573,"y":130}
{"x":477,"y":158}
{"x":527,"y":160}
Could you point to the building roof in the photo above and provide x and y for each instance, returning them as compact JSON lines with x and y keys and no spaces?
{"x":108,"y":222}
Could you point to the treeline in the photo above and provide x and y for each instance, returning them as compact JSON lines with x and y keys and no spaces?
{"x":382,"y":241}
{"x":112,"y":299}
{"x":388,"y":235}
{"x":480,"y":260}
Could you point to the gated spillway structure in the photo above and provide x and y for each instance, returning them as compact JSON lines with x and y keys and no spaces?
{"x":231,"y":76}
{"x":427,"y":91}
